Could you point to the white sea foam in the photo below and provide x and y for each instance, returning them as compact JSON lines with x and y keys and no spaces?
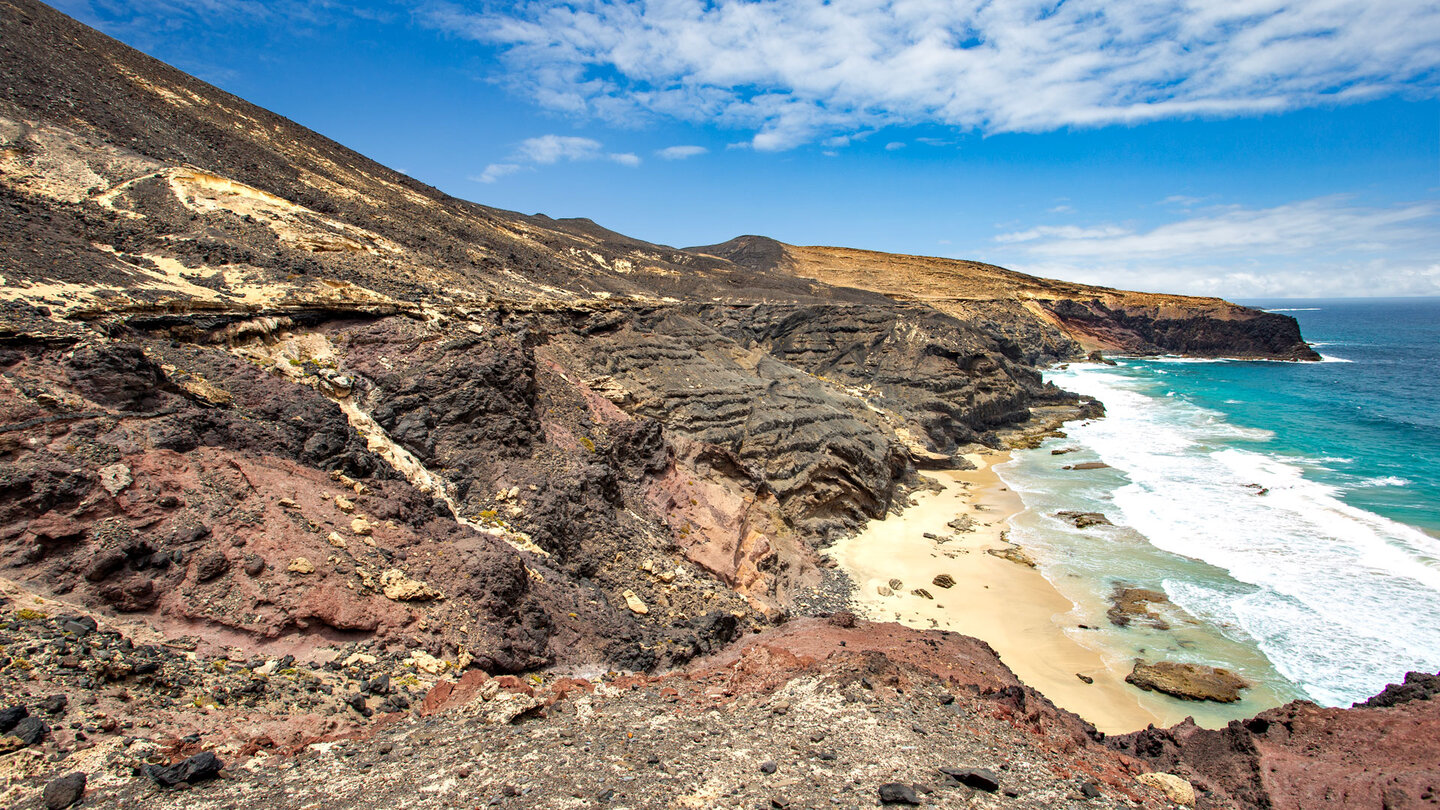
{"x":1295,"y":309}
{"x":1385,"y":481}
{"x":1342,"y":601}
{"x":1327,"y":358}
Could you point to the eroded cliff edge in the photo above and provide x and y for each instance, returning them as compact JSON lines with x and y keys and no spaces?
{"x":1045,"y":317}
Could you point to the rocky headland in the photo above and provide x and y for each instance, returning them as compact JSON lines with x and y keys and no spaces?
{"x":321,"y":487}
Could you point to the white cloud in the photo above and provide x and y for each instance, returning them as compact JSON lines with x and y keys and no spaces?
{"x":1061,"y":209}
{"x":1062,"y":232}
{"x":681,"y":152}
{"x":495,"y":171}
{"x":1323,"y":246}
{"x":547,"y":150}
{"x":893,"y":145}
{"x":804,"y":70}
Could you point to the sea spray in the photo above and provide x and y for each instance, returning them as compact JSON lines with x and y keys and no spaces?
{"x":1236,"y":529}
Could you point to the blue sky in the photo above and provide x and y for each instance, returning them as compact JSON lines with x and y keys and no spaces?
{"x":1244,"y":148}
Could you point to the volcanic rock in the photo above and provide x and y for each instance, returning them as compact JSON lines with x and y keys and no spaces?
{"x":1014,"y":554}
{"x":1175,"y":789}
{"x":978,"y":778}
{"x":1188,"y":681}
{"x":898,"y":793}
{"x":63,"y":791}
{"x":395,"y":585}
{"x":1133,"y":605}
{"x":197,"y":768}
{"x":1084,"y":520}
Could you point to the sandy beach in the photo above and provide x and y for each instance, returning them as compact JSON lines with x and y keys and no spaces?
{"x":1007,"y":604}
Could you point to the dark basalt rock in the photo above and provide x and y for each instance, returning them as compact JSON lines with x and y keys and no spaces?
{"x":978,"y":778}
{"x":63,"y":791}
{"x":1416,"y":686}
{"x":898,"y":793}
{"x":198,"y":768}
{"x":30,"y":730}
{"x":11,"y":716}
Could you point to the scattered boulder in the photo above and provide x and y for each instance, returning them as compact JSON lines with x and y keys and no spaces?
{"x":1188,"y":681}
{"x":635,"y":603}
{"x":1084,"y":520}
{"x":1097,"y":357}
{"x":1133,"y":606}
{"x":896,"y":585}
{"x":9,"y":717}
{"x":300,"y":565}
{"x":922,"y":593}
{"x":64,"y":791}
{"x":963,"y":523}
{"x":943,"y":581}
{"x":1063,"y":450}
{"x":1175,"y":789}
{"x":395,"y":585}
{"x":1014,"y":554}
{"x":898,"y":793}
{"x":210,"y":565}
{"x":425,"y":662}
{"x":254,"y":565}
{"x":978,"y":778}
{"x":30,"y":730}
{"x":198,"y":768}
{"x":115,"y":478}
{"x":884,"y":590}
{"x":1087,"y":465}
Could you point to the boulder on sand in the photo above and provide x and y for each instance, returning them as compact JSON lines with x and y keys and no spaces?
{"x":1188,"y":681}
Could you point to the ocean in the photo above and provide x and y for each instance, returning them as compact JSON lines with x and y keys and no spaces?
{"x":1290,"y":512}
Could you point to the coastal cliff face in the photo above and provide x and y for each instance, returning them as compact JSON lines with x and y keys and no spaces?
{"x":290,"y":442}
{"x":1049,"y":319}
{"x":1379,"y":753}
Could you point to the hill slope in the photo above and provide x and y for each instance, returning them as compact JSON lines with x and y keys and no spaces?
{"x":1035,"y":311}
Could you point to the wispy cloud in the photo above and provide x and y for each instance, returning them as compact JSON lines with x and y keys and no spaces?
{"x":803,"y":70}
{"x":680,"y":152}
{"x":1326,"y":245}
{"x":495,"y":171}
{"x":547,"y":150}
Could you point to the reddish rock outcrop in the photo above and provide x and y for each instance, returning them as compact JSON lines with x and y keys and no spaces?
{"x":1379,"y":754}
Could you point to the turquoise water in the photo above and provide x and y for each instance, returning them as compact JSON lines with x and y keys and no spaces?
{"x":1288,"y":510}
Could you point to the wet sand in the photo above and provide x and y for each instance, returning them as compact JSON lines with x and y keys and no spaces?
{"x":1007,"y":604}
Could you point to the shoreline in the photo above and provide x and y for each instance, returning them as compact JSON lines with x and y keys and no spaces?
{"x":1009,"y":605}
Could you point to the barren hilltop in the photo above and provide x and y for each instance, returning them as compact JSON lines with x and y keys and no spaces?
{"x":319,"y":487}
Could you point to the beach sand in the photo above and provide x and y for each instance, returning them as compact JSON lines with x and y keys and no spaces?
{"x":1007,"y":604}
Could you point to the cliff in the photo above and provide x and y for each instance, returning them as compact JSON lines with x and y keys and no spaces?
{"x":1041,"y":315}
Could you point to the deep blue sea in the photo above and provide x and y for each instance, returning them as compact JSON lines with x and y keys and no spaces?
{"x":1290,"y":511}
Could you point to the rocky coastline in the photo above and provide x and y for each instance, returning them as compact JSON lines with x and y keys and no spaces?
{"x":321,"y":487}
